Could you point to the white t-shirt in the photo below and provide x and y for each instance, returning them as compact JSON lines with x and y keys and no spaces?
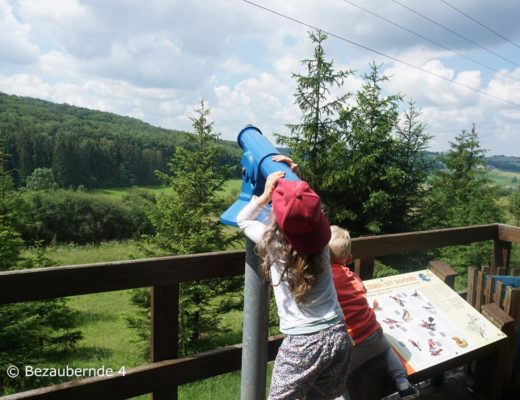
{"x":320,"y":308}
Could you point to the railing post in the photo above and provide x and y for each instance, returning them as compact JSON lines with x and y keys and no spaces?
{"x":165,"y":330}
{"x":493,"y":372}
{"x":501,"y":256}
{"x":364,"y":267}
{"x":256,"y":324}
{"x":444,"y":272}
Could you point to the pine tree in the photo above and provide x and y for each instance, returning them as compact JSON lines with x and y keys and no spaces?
{"x":461,"y":194}
{"x":187,"y":222}
{"x":371,"y":175}
{"x":368,"y":169}
{"x":317,"y":135}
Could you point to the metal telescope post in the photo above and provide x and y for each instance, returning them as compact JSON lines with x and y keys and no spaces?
{"x":257,"y":164}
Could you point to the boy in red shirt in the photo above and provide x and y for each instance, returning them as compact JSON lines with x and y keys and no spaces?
{"x":360,"y":318}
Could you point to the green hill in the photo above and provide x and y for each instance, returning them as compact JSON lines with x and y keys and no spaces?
{"x":87,"y":147}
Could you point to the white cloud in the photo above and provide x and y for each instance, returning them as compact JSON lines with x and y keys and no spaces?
{"x":15,"y":46}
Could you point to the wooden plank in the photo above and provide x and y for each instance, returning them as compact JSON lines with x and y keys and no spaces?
{"x":501,"y":255}
{"x":488,"y":290}
{"x":373,"y":246}
{"x":512,"y":303}
{"x":471,"y":295}
{"x":497,"y":316}
{"x":479,"y":292}
{"x":498,"y":297}
{"x":444,"y":272}
{"x":515,"y":271}
{"x":165,"y":330}
{"x":508,"y":233}
{"x":148,"y":378}
{"x":53,"y":282}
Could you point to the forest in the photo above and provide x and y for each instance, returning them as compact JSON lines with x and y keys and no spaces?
{"x":87,"y":148}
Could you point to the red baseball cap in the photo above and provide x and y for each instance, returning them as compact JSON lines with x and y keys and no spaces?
{"x":297,"y":210}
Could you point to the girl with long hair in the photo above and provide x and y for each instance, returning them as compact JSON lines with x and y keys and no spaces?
{"x":313,"y":360}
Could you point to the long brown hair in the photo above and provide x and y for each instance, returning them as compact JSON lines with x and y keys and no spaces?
{"x":300,"y":270}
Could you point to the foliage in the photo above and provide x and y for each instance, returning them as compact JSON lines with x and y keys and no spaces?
{"x":461,"y":194}
{"x":381,"y":181}
{"x":314,"y":141}
{"x":368,"y":169}
{"x":41,"y":179}
{"x":187,"y":223}
{"x":381,"y":270}
{"x":514,"y":206}
{"x":66,"y":216}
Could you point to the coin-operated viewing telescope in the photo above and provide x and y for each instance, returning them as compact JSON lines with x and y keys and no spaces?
{"x":257,"y":164}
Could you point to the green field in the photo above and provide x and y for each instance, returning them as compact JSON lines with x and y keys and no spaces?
{"x":231,"y":186}
{"x":506,"y":179}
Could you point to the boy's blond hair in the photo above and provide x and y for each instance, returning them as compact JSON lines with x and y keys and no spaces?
{"x":339,"y":244}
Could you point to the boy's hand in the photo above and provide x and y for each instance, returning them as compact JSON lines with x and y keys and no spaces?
{"x":270,"y":185}
{"x":281,"y":158}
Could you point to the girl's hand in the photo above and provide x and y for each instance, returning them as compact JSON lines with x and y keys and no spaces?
{"x":270,"y":185}
{"x":281,"y":158}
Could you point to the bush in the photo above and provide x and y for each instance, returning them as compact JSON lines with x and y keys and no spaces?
{"x":66,"y":216}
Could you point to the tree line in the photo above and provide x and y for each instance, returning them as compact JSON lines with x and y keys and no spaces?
{"x":87,"y":148}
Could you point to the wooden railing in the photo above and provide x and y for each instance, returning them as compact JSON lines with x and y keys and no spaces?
{"x":162,"y":376}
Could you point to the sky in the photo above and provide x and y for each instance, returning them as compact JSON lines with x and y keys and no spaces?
{"x":154,"y":60}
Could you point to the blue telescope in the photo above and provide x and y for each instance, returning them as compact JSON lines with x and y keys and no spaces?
{"x":257,"y":164}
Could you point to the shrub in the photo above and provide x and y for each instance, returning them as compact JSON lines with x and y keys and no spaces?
{"x":68,"y":216}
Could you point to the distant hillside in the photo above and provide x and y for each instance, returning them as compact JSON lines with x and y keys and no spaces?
{"x":506,"y":163}
{"x":87,"y":147}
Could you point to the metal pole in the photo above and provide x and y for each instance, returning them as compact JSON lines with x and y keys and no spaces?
{"x":255,"y":330}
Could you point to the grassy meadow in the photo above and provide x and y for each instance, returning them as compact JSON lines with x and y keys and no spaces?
{"x":505,"y":179}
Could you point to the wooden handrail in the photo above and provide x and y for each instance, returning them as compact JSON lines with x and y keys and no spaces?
{"x":150,"y":377}
{"x":509,"y":233}
{"x":382,"y":245}
{"x":53,"y":282}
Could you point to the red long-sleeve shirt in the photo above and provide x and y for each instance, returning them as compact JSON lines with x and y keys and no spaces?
{"x":352,"y":296}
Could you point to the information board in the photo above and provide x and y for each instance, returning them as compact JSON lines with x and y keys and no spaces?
{"x":425,"y":320}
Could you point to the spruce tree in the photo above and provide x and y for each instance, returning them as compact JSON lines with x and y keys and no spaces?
{"x":462,"y":194}
{"x":314,"y":141}
{"x":462,"y":191}
{"x":187,"y":222}
{"x":367,"y":166}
